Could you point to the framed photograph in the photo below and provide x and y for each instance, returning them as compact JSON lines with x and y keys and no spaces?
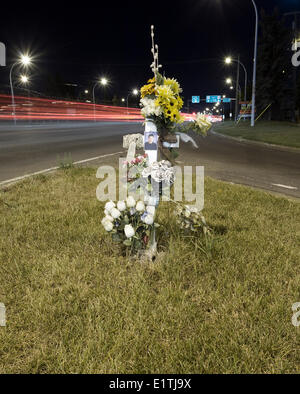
{"x":150,"y":141}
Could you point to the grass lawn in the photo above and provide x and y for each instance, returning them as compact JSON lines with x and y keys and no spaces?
{"x":277,"y":133}
{"x":74,"y":305}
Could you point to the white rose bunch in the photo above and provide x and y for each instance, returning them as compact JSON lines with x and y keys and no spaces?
{"x":129,"y":223}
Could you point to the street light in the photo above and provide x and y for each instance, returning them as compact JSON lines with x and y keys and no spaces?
{"x":24,"y":79}
{"x":25,"y":61}
{"x":229,"y":81}
{"x":254,"y":67}
{"x":229,"y":60}
{"x":134,"y":92}
{"x":103,"y":82}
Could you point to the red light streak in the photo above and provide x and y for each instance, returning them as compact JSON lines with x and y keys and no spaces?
{"x":33,"y":108}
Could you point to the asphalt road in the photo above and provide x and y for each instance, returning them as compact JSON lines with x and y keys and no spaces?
{"x":25,"y":149}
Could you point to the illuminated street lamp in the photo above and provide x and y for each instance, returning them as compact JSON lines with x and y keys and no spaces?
{"x":229,"y":60}
{"x":134,"y":92}
{"x":229,"y":81}
{"x":103,"y":82}
{"x":25,"y":61}
{"x":24,"y":79}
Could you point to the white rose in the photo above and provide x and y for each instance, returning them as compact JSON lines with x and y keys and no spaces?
{"x":140,"y":206}
{"x":130,"y":201}
{"x":129,"y":231}
{"x":108,"y":225}
{"x":104,"y":220}
{"x":151,"y":209}
{"x":149,"y":219}
{"x":109,"y":218}
{"x":109,"y":205}
{"x":121,"y":206}
{"x":106,"y":212}
{"x":115,"y":213}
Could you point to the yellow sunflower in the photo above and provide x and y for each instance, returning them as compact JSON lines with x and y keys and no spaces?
{"x":173,"y":84}
{"x":164,"y":93}
{"x":147,"y":90}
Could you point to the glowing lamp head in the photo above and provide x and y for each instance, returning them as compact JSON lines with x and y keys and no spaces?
{"x":123,"y":100}
{"x":231,"y":87}
{"x":103,"y":81}
{"x":228,"y":81}
{"x":228,"y":60}
{"x":25,"y":60}
{"x":135,"y":92}
{"x":86,"y":91}
{"x":24,"y":79}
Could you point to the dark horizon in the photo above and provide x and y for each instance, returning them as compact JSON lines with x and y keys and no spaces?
{"x":113,"y":40}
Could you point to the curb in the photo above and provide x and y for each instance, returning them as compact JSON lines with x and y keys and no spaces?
{"x":9,"y":182}
{"x":257,"y":143}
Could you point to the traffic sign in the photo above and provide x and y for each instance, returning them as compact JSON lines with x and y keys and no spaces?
{"x":226,"y":100}
{"x":195,"y":99}
{"x":213,"y":99}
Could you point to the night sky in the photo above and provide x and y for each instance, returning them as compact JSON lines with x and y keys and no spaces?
{"x":84,"y":40}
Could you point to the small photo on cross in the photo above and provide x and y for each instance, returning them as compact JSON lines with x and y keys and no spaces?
{"x":151,"y":139}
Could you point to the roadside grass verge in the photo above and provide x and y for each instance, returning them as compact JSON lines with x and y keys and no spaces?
{"x":277,"y":133}
{"x":74,"y":305}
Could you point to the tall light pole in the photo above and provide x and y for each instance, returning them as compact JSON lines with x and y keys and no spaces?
{"x":103,"y":82}
{"x":24,"y":80}
{"x":24,"y":61}
{"x":254,"y":67}
{"x":135,"y":92}
{"x":228,"y":60}
{"x":237,"y":93}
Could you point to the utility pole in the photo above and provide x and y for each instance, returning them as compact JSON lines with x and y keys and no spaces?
{"x":254,"y":67}
{"x":237,"y":94}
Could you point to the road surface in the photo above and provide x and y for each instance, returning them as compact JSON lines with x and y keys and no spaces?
{"x":26,"y":149}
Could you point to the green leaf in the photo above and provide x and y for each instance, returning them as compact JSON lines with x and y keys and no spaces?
{"x":127,"y":242}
